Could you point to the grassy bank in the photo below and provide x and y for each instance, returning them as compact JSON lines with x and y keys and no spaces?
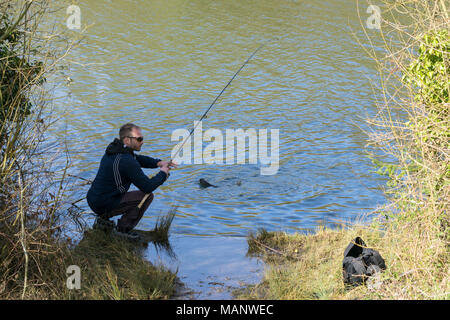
{"x":35,"y":211}
{"x":109,"y":269}
{"x":310,"y":266}
{"x":412,"y":231}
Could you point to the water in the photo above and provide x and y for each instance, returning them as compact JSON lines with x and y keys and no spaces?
{"x":160,"y":64}
{"x":209,"y":267}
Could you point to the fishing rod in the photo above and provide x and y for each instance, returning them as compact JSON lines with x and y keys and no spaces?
{"x":206,"y":112}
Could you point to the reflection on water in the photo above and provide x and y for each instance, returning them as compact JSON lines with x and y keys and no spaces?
{"x":209,"y":267}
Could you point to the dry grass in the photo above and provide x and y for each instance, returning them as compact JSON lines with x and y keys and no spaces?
{"x":114,"y":269}
{"x":110,"y":269}
{"x":310,"y":266}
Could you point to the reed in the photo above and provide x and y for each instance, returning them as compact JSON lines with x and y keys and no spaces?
{"x":163,"y":225}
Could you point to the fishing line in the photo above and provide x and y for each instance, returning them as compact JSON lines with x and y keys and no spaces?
{"x":215,"y":100}
{"x":209,"y":108}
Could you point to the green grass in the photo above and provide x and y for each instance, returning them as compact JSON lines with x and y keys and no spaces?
{"x":110,"y":269}
{"x":115,"y":269}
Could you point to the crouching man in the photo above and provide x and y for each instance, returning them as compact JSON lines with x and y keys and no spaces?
{"x":120,"y":167}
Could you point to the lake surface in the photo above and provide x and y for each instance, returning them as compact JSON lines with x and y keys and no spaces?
{"x":210,"y":267}
{"x":160,"y":64}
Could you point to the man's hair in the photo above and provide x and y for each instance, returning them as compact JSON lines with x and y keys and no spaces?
{"x":126,"y":129}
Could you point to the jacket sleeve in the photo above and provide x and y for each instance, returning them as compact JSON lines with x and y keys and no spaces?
{"x":134,"y":172}
{"x":147,"y":162}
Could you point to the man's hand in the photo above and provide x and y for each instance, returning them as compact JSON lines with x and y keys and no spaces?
{"x":171,"y":164}
{"x":165,"y":169}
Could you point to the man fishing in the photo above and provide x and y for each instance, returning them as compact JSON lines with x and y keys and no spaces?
{"x":120,"y":167}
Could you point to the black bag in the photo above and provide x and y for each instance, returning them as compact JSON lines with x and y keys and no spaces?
{"x":360,"y":262}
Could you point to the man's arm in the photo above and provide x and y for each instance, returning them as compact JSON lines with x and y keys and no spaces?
{"x":147,"y":162}
{"x":140,"y":180}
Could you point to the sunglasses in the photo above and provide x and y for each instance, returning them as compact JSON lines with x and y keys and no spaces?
{"x":139,"y":139}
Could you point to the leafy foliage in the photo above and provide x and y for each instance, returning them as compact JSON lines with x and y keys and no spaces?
{"x":17,"y":73}
{"x":428,"y":77}
{"x":431,"y":69}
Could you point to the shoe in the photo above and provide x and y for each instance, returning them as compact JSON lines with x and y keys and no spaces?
{"x":130,"y":236}
{"x":103,"y":224}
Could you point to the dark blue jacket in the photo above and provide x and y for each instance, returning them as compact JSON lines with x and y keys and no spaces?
{"x":119,"y":168}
